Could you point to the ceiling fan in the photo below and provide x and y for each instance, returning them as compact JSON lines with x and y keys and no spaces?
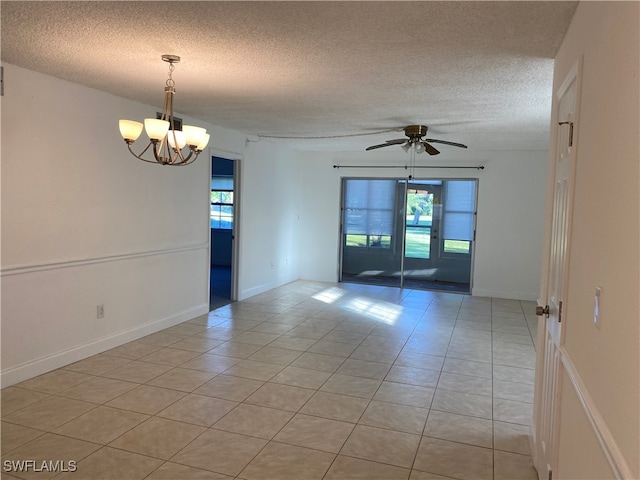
{"x":415,"y":134}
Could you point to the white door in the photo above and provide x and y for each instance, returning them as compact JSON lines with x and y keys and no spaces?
{"x":552,"y":313}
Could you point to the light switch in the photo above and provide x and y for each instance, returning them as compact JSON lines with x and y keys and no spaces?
{"x":596,"y":306}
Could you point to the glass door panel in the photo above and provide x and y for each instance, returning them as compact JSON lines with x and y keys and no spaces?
{"x":371,"y":246}
{"x":418,"y":223}
{"x":421,"y":231}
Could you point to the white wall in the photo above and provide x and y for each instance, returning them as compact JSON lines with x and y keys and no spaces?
{"x":511,"y":196}
{"x":602,"y":362}
{"x":511,"y":199}
{"x":269,"y":222}
{"x":84,"y":223}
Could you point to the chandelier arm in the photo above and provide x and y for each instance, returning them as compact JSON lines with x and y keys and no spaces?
{"x":177,"y":154}
{"x":176,"y":157}
{"x":183,"y":164}
{"x":184,"y":160}
{"x":159,"y":150}
{"x":140,"y":156}
{"x":189,"y":162}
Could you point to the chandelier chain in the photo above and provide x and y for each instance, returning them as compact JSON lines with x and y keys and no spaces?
{"x":170,"y":81}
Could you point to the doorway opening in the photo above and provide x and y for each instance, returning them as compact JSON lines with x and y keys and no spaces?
{"x":222,"y":224}
{"x":408,"y":233}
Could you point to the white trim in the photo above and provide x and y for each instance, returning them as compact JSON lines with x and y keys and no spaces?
{"x":250,"y":292}
{"x":238,"y":166}
{"x":574,"y":73}
{"x":33,"y":368}
{"x":265,"y":287}
{"x":91,"y":261}
{"x":238,"y":163}
{"x":609,"y":446}
{"x":487,"y":292}
{"x":208,"y":220}
{"x":226,"y":154}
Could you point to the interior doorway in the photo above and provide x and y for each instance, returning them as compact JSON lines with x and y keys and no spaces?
{"x":416,"y":233}
{"x":222,"y":224}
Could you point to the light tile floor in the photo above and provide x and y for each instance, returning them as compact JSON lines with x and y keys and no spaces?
{"x":307,"y":381}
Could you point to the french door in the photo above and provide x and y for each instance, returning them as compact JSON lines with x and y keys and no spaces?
{"x":414,"y":233}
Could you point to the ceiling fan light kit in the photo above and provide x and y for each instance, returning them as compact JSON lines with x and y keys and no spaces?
{"x":166,"y":139}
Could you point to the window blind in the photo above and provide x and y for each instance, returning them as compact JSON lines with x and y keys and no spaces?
{"x":369,"y":207}
{"x":221,"y":183}
{"x":459,"y":209}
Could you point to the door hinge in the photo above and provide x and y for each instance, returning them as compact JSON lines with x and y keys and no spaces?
{"x":1,"y":81}
{"x":560,"y":312}
{"x":570,"y":131}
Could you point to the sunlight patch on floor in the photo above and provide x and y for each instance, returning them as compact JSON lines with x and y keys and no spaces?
{"x":329,"y":295}
{"x":375,"y":309}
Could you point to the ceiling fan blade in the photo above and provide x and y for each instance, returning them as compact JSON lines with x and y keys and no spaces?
{"x":430,"y":149}
{"x":453,"y":144}
{"x":373,"y":147}
{"x":397,"y":141}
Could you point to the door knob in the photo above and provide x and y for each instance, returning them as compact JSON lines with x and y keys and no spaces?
{"x":542,"y":310}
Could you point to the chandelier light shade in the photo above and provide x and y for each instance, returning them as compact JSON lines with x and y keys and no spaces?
{"x":166,"y":140}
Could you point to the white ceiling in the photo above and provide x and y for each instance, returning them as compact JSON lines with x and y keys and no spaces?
{"x":475,"y":72}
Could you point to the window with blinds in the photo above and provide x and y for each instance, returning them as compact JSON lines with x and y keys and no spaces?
{"x":459,"y":215}
{"x":369,"y":213}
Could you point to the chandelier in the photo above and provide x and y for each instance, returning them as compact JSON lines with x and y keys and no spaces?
{"x":165,"y":140}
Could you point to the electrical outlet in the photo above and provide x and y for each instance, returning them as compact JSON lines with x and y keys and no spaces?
{"x":100,"y":312}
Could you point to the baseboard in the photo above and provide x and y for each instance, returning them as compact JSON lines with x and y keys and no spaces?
{"x":484,"y":292}
{"x":253,"y":291}
{"x":25,"y":371}
{"x":321,"y":278}
{"x":265,"y":287}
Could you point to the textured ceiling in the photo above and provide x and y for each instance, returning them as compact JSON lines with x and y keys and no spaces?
{"x":475,"y":72}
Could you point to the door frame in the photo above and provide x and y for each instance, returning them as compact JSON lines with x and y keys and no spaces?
{"x":235,"y":235}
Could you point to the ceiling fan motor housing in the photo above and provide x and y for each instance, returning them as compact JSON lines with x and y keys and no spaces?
{"x":415,"y":131}
{"x":415,"y":134}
